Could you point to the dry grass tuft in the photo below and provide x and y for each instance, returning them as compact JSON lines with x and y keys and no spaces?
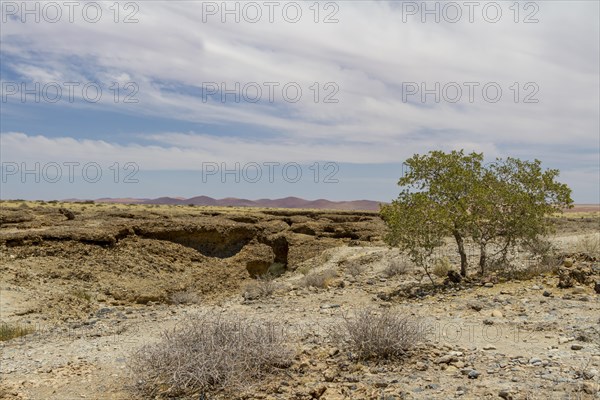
{"x":185,"y":297}
{"x":263,"y":286}
{"x":396,"y":267}
{"x":319,"y":279}
{"x":304,"y":269}
{"x":210,"y":353}
{"x":355,"y":268}
{"x":441,"y":267}
{"x":589,"y":245}
{"x":12,"y":331}
{"x":379,"y":335}
{"x":82,"y":294}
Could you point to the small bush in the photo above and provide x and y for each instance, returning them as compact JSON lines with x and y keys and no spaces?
{"x":320,"y":279}
{"x":441,"y":267}
{"x":523,"y":272}
{"x":589,"y":244}
{"x":379,"y":335}
{"x":210,"y":353}
{"x":263,"y":286}
{"x":542,"y":251}
{"x":539,"y":247}
{"x":355,"y":268}
{"x":276,"y":269}
{"x":185,"y":297}
{"x":81,"y":294}
{"x":12,"y":331}
{"x":304,"y":269}
{"x":67,"y":213}
{"x":395,"y":267}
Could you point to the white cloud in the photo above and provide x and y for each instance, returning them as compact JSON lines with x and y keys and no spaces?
{"x":369,"y":54}
{"x":188,"y":151}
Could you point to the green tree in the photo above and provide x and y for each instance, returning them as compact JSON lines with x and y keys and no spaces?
{"x":421,"y":232}
{"x":498,"y":206}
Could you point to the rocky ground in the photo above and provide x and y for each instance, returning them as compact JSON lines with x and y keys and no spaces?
{"x":97,"y":288}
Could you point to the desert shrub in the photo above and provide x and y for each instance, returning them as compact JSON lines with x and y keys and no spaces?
{"x":326,"y":256}
{"x":589,"y":244}
{"x":355,"y":268}
{"x":319,"y":279}
{"x":67,"y":213}
{"x":531,"y":271}
{"x":209,"y":353}
{"x":441,"y":267}
{"x":263,"y":286}
{"x":534,"y":258}
{"x":523,"y":271}
{"x":12,"y":331}
{"x":185,"y":297}
{"x":81,"y":294}
{"x":395,"y":267}
{"x":542,"y":251}
{"x":371,"y":334}
{"x":276,"y":269}
{"x":539,"y":247}
{"x":304,"y":269}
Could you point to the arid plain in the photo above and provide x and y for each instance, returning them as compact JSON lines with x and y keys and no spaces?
{"x":89,"y":285}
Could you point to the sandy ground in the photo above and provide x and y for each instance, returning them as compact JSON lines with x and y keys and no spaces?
{"x":524,"y":339}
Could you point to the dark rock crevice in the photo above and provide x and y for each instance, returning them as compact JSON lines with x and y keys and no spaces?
{"x":209,"y":242}
{"x":280,"y":246}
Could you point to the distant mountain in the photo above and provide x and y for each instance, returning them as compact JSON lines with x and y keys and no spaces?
{"x":123,"y":200}
{"x":287,"y":202}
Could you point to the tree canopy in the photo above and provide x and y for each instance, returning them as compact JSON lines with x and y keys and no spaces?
{"x":497,"y":205}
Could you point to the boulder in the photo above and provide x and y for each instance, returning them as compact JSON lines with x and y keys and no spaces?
{"x":257,"y":257}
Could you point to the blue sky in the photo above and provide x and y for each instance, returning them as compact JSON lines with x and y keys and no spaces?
{"x":361,"y":107}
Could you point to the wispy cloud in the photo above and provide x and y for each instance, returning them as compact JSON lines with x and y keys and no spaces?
{"x":369,"y":55}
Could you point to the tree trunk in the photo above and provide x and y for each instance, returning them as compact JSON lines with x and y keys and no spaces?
{"x":482,"y":257}
{"x":463,"y":254}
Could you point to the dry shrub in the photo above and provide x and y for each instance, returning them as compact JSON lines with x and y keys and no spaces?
{"x":543,"y":252}
{"x":304,"y":269}
{"x":379,"y":335}
{"x":441,"y":267}
{"x":277,"y":269}
{"x":523,"y":272}
{"x":539,"y":247}
{"x":355,"y":268}
{"x":396,"y":267}
{"x":210,"y":353}
{"x":263,"y":286}
{"x":12,"y":331}
{"x":81,"y":294}
{"x":589,"y":245}
{"x":531,"y":271}
{"x":536,"y":257}
{"x":185,"y":297}
{"x":67,"y":213}
{"x":320,"y":279}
